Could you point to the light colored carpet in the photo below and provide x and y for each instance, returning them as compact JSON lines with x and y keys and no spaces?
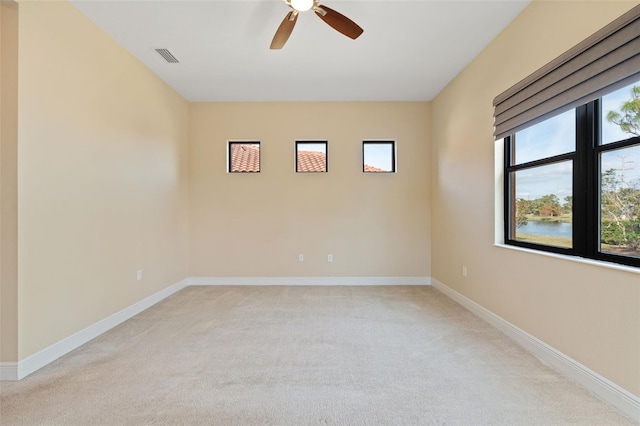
{"x":302,"y":356}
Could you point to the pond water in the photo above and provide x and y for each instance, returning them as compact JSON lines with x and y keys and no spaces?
{"x":555,"y":229}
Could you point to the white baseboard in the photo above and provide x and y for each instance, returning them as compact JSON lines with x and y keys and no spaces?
{"x":8,"y":371}
{"x":306,"y":281}
{"x":21,"y":369}
{"x":622,"y":399}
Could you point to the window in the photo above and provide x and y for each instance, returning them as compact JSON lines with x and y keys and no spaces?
{"x":378,"y":157}
{"x":311,"y":157}
{"x":572,"y":181}
{"x":244,"y":157}
{"x":541,"y":182}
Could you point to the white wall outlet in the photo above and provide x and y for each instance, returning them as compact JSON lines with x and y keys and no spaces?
{"x":301,"y":257}
{"x":329,"y":258}
{"x":139,"y":275}
{"x":464,"y":270}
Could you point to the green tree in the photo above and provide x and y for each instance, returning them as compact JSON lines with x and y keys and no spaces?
{"x":620,"y":211}
{"x":522,"y":208}
{"x":567,"y":207}
{"x":628,"y":119}
{"x":549,"y":205}
{"x":619,"y":201}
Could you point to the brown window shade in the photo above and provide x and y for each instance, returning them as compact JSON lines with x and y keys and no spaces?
{"x":606,"y":61}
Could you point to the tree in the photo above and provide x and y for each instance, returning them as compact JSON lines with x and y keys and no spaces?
{"x":619,"y":201}
{"x":620,"y":211}
{"x":628,"y":119}
{"x":549,"y":205}
{"x":522,"y":208}
{"x":567,"y":207}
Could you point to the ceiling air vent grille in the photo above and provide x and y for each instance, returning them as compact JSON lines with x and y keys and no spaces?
{"x":168,"y":56}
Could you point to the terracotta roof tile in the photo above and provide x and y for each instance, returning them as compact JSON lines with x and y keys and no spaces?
{"x":368,"y":168}
{"x":245,"y":157}
{"x":312,"y":161}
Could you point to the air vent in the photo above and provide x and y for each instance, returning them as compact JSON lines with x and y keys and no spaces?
{"x":168,"y":56}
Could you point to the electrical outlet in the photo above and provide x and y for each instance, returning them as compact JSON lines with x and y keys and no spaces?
{"x":301,"y":257}
{"x":329,"y":258}
{"x":139,"y":275}
{"x":464,"y":270}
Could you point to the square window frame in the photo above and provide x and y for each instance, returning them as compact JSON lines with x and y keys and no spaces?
{"x":230,"y":143}
{"x":392,"y":142}
{"x":300,"y":142}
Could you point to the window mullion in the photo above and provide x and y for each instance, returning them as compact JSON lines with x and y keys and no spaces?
{"x":585,"y":212}
{"x":593,"y":179}
{"x":508,"y":211}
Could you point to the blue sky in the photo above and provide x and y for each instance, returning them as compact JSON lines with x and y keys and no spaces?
{"x":315,"y":147}
{"x":557,"y":136}
{"x":379,"y":155}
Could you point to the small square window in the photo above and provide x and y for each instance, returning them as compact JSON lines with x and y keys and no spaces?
{"x":311,"y":157}
{"x":378,"y":157}
{"x":244,"y":157}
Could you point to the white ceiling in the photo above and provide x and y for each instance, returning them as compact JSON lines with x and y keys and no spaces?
{"x":409,"y":50}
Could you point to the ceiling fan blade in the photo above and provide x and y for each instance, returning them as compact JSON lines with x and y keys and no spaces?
{"x":284,"y":30}
{"x":339,"y":22}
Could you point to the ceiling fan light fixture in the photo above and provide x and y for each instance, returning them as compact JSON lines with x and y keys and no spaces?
{"x":335,"y":20}
{"x":302,"y":5}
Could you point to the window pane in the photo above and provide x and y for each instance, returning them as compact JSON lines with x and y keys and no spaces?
{"x":311,"y":157}
{"x":378,"y":157}
{"x":554,"y":136}
{"x":620,"y":201}
{"x":244,"y":157}
{"x":621,"y":114}
{"x":543,"y":205}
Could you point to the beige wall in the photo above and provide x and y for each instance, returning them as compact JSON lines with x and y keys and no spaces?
{"x":257,"y":224}
{"x":8,"y":181}
{"x":590,"y":313}
{"x":102,"y":192}
{"x":103,"y":186}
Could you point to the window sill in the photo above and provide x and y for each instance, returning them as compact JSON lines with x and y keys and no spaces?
{"x":577,"y":259}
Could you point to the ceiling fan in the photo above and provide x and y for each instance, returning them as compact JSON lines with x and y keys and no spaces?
{"x":336,"y":20}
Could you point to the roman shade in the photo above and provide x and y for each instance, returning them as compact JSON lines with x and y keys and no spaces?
{"x":606,"y":61}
